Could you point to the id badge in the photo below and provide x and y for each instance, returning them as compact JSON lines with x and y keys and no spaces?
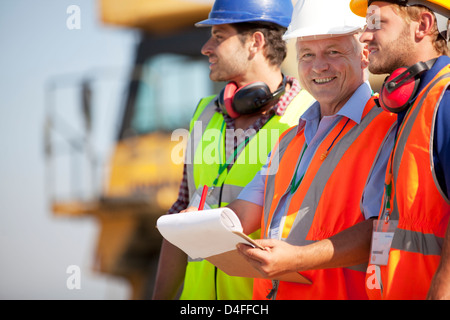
{"x":382,"y":236}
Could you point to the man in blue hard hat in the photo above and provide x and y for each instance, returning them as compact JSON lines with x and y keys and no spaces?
{"x":258,"y":103}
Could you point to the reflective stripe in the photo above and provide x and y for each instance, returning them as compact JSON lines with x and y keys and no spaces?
{"x":402,"y":141}
{"x":230,"y":193}
{"x":305,"y":216}
{"x":433,"y":171}
{"x":360,"y":267}
{"x":198,"y":127}
{"x":279,"y":149}
{"x":412,"y":241}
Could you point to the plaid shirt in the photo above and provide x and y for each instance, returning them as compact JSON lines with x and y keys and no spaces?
{"x":233,"y":140}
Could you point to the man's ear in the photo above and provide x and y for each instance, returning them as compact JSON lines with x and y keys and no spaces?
{"x":258,"y":42}
{"x":425,"y":25}
{"x":365,"y":57}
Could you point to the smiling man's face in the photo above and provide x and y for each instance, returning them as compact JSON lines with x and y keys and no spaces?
{"x":331,"y":69}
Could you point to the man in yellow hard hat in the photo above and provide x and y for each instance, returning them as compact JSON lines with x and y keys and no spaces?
{"x":410,"y":255}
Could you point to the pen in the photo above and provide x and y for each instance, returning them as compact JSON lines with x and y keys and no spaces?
{"x":203,"y":198}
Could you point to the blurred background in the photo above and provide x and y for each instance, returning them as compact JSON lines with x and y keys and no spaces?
{"x":91,"y":91}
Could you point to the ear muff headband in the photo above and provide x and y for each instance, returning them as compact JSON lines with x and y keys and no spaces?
{"x":249,"y":98}
{"x":401,"y":86}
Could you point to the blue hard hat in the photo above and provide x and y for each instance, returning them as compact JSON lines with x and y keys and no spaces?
{"x":236,"y":11}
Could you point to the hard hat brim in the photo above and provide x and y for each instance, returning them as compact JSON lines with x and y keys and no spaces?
{"x":359,"y":7}
{"x":215,"y":22}
{"x":338,"y":20}
{"x":314,"y":35}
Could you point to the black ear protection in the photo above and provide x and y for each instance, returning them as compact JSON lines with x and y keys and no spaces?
{"x":248,"y":99}
{"x":401,"y":86}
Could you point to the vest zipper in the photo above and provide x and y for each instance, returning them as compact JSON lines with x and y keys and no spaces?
{"x":273,"y":292}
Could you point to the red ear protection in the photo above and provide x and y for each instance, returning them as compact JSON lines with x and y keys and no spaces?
{"x":226,"y":99}
{"x":401,"y":86}
{"x":247,"y":99}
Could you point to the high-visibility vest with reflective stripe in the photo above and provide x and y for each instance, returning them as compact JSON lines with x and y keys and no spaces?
{"x":419,"y":204}
{"x":327,"y":201}
{"x":203,"y":280}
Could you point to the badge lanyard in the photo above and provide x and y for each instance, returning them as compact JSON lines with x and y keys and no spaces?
{"x":295,"y":184}
{"x":384,"y":229}
{"x":388,"y":206}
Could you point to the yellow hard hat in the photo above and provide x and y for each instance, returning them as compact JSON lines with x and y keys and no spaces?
{"x":441,"y":9}
{"x":359,"y":7}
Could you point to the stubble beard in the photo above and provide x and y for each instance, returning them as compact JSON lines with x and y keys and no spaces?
{"x":227,"y":69}
{"x":394,"y":55}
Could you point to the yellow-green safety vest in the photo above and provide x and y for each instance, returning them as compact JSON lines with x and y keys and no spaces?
{"x":205,"y":157}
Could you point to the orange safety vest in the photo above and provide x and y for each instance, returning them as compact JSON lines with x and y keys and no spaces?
{"x":417,"y":202}
{"x":326,"y":202}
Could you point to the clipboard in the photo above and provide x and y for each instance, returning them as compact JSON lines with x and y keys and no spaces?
{"x":213,"y":235}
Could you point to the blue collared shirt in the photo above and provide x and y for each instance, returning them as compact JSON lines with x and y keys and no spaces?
{"x":316,"y":130}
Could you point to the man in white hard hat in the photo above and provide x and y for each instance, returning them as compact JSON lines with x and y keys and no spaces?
{"x":317,"y":208}
{"x":407,"y":41}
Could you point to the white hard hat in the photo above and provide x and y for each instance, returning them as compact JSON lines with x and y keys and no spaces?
{"x":322,"y":19}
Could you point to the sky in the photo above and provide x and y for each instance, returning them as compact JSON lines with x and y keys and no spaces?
{"x":38,"y":249}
